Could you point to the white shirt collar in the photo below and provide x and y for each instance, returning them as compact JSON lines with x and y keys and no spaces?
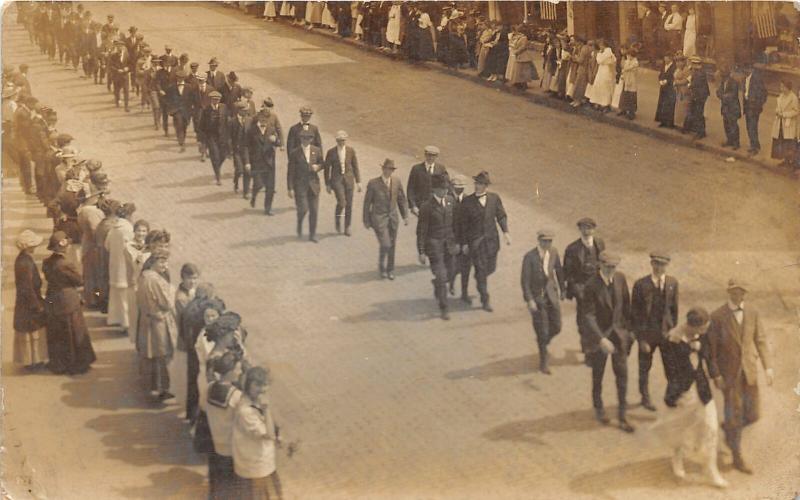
{"x":607,"y":280}
{"x":658,"y":279}
{"x":734,"y":307}
{"x":589,"y":242}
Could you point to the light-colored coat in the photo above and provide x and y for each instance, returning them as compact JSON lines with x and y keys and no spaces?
{"x":157,"y":332}
{"x":787,"y":108}
{"x":630,"y":69}
{"x":120,"y":234}
{"x":736,"y":348}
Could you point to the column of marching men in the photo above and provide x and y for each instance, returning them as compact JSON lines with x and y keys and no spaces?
{"x":455,"y":234}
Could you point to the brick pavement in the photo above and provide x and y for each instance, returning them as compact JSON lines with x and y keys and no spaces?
{"x":385,"y":400}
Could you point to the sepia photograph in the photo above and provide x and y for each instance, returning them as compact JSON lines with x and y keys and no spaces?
{"x":400,"y":250}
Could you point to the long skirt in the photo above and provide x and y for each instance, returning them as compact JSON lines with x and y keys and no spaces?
{"x":118,"y":307}
{"x":68,"y":343}
{"x":91,"y":279}
{"x":262,"y":488}
{"x":520,"y":72}
{"x":482,"y":55}
{"x":30,"y":348}
{"x":681,"y":109}
{"x":155,"y":373}
{"x":783,"y":149}
{"x":269,"y":10}
{"x":327,"y":17}
{"x":627,"y":102}
{"x":285,"y":9}
{"x":133,"y":314}
{"x":221,"y":477}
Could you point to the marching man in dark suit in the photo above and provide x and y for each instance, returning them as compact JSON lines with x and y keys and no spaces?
{"x":731,"y":108}
{"x":262,"y":139}
{"x":293,"y":138}
{"x":305,"y":162}
{"x":543,"y":289}
{"x":737,"y":339}
{"x":419,"y":180}
{"x":382,"y":202}
{"x":119,"y":69}
{"x":180,"y":105}
{"x":341,"y":177}
{"x":654,"y":312}
{"x":463,"y":260}
{"x":754,"y":95}
{"x":238,"y":126}
{"x":215,"y":77}
{"x":581,"y":262}
{"x":478,"y":218}
{"x":606,"y":308}
{"x":436,"y":239}
{"x":213,"y":123}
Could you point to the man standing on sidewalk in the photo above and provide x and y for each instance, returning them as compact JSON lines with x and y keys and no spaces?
{"x":479,"y":216}
{"x":341,"y":176}
{"x":738,"y":340}
{"x":698,"y":94}
{"x":436,"y":239}
{"x":754,"y":95}
{"x":384,"y":198}
{"x":731,"y":109}
{"x":543,"y":288}
{"x":654,"y":312}
{"x":606,"y":308}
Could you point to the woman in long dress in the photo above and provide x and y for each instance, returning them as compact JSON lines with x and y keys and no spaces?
{"x":690,"y":34}
{"x":665,"y":109}
{"x":559,"y":83}
{"x":498,"y":56}
{"x":157,"y":335}
{"x":680,"y":80}
{"x":628,"y":78}
{"x":690,"y":425}
{"x":269,"y":11}
{"x":393,"y":26}
{"x":520,"y":61}
{"x":68,"y":343}
{"x":784,"y":127}
{"x":550,"y":61}
{"x":604,"y":81}
{"x":426,"y":44}
{"x":487,"y":40}
{"x":582,"y":61}
{"x":135,"y":256}
{"x":286,"y":9}
{"x":30,"y":339}
{"x":116,"y":244}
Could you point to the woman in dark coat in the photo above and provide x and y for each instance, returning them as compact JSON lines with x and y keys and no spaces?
{"x":30,"y":340}
{"x":68,"y":342}
{"x":665,"y":111}
{"x":497,"y":60}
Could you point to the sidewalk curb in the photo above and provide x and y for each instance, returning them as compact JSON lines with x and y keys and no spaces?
{"x":543,"y":100}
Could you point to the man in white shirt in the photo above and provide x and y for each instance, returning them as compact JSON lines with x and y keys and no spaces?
{"x":342,"y":177}
{"x":673,"y":26}
{"x":738,"y":340}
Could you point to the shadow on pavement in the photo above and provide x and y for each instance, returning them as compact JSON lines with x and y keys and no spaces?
{"x":531,"y":431}
{"x":177,"y":482}
{"x":222,"y":195}
{"x":653,"y":474}
{"x":421,"y":309}
{"x":273,"y":241}
{"x":512,"y":367}
{"x":362,"y":277}
{"x":242,"y":212}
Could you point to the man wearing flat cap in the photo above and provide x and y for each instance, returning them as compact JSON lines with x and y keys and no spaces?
{"x":119,"y":65}
{"x":238,"y":125}
{"x":581,"y":262}
{"x":262,"y":139}
{"x":302,"y":179}
{"x":293,"y":138}
{"x":478,"y":218}
{"x":202,"y":100}
{"x":654,"y":312}
{"x":606,"y":309}
{"x":213,"y":123}
{"x":542,"y":289}
{"x":437,"y":238}
{"x":738,"y":340}
{"x":419,"y":179}
{"x":180,"y":105}
{"x":463,"y":264}
{"x":382,"y":203}
{"x":342,"y":177}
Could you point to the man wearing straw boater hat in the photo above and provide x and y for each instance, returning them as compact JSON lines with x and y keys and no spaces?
{"x":382,"y":203}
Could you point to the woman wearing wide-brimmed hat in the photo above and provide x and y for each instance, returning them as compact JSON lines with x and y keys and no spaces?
{"x":30,"y":340}
{"x":68,"y":343}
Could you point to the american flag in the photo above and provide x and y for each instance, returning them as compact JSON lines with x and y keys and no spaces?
{"x":547,"y":10}
{"x":764,"y":19}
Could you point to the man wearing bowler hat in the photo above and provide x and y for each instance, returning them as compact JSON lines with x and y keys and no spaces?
{"x":293,"y":138}
{"x":463,"y":260}
{"x":419,"y":179}
{"x":606,"y":309}
{"x":215,"y":131}
{"x":654,"y":312}
{"x":119,"y":70}
{"x":341,"y":177}
{"x":302,"y":178}
{"x":382,"y":203}
{"x":543,"y":288}
{"x":738,"y":340}
{"x":437,"y":238}
{"x":215,"y":77}
{"x":581,"y":262}
{"x":478,"y":218}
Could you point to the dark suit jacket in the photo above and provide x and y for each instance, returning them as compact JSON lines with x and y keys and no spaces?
{"x":381,"y":206}
{"x":728,"y":93}
{"x":419,"y":183}
{"x":259,"y":150}
{"x":737,"y":348}
{"x":642,"y":302}
{"x":754,"y":101}
{"x":668,"y":75}
{"x":217,"y":80}
{"x":575,"y":273}
{"x":62,"y":281}
{"x":299,"y":174}
{"x":119,"y":67}
{"x":237,"y":134}
{"x":293,"y":138}
{"x":436,"y":227}
{"x":201,"y":98}
{"x":221,"y":131}
{"x":333,"y":169}
{"x":478,"y":223}
{"x":535,"y":284}
{"x":607,"y":316}
{"x":180,"y":103}
{"x":698,"y":86}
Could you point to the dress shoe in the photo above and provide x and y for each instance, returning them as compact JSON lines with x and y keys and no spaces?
{"x":253,"y":202}
{"x":718,"y":481}
{"x":384,"y":275}
{"x":183,"y":149}
{"x":740,"y":465}
{"x":487,"y":307}
{"x":390,"y":275}
{"x":625,"y":426}
{"x":544,"y":369}
{"x":600,"y":416}
{"x":445,"y":315}
{"x":466,"y":299}
{"x":313,"y":239}
{"x":338,"y":229}
{"x":347,"y":232}
{"x":647,"y":405}
{"x":165,"y":396}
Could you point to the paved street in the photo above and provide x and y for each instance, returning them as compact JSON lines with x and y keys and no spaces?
{"x":385,"y":399}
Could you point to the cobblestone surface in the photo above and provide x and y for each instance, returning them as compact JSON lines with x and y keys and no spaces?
{"x":386,"y":400}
